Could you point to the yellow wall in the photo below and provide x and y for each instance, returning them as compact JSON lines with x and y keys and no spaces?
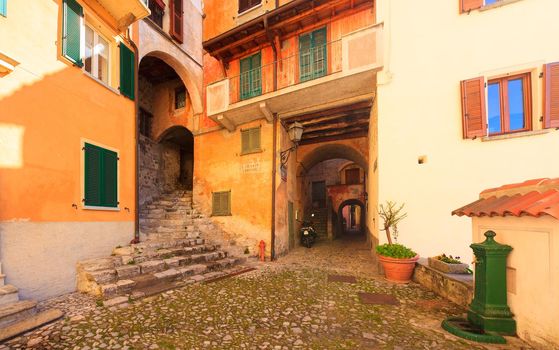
{"x":219,"y":166}
{"x":532,"y":273}
{"x":429,"y":49}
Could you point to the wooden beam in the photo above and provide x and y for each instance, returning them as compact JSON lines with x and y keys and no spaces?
{"x":357,"y":114}
{"x":329,"y":112}
{"x":335,"y":126}
{"x":335,"y":131}
{"x":340,"y":137}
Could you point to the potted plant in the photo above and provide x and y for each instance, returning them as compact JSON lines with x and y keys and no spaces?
{"x":448,"y":264}
{"x":397,"y":260}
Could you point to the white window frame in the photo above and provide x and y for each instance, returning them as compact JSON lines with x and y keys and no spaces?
{"x":94,"y":58}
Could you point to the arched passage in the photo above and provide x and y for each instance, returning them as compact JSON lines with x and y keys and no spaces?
{"x":166,"y":111}
{"x":329,"y":175}
{"x":351,"y":221}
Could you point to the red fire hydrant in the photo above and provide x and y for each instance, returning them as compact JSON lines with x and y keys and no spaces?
{"x":262,"y":246}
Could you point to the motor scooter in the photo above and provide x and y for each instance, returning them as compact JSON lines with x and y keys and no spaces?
{"x":308,"y":233}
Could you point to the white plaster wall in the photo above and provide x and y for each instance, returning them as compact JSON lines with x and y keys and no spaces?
{"x":535,"y":260}
{"x":40,"y":257}
{"x":429,"y":49}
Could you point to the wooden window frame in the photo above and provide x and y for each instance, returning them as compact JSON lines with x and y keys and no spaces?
{"x":250,"y":5}
{"x":95,"y":58}
{"x":157,"y":5}
{"x":503,"y":95}
{"x":313,"y":74}
{"x":246,"y":133}
{"x":251,"y":92}
{"x":358,"y":176}
{"x":221,"y":212}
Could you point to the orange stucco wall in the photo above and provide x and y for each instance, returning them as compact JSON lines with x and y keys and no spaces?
{"x":47,"y":108}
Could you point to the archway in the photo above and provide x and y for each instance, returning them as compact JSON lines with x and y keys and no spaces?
{"x":351,"y":222}
{"x":166,"y":155}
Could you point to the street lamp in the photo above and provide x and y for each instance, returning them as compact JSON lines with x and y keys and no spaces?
{"x":295,"y":132}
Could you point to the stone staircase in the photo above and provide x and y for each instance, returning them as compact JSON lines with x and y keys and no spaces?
{"x":18,"y":316}
{"x":172,"y":253}
{"x":320,"y":222}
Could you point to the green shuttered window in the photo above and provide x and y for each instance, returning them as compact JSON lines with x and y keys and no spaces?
{"x":250,"y":140}
{"x":127,"y":60}
{"x":251,"y":76}
{"x":100,"y":177}
{"x":313,"y":55}
{"x":4,"y":8}
{"x":221,"y":203}
{"x":72,"y":16}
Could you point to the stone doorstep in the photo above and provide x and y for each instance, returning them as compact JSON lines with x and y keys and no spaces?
{"x":152,"y":266}
{"x":127,"y":271}
{"x":8,"y":294}
{"x":17,"y":311}
{"x":30,"y":323}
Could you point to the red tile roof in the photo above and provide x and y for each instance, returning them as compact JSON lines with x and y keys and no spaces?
{"x":530,"y":198}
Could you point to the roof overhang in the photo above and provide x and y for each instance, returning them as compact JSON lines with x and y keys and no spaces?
{"x":125,"y":12}
{"x":284,"y":20}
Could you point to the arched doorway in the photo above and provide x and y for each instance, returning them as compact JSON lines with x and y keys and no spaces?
{"x":351,"y":219}
{"x":328,"y":176}
{"x":166,"y":145}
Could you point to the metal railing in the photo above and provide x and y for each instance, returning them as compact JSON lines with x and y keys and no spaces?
{"x":297,"y":67}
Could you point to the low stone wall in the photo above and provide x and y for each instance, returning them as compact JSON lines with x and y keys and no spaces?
{"x":456,"y":288}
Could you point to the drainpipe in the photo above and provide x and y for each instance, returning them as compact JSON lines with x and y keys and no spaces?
{"x":136,"y":238}
{"x":274,"y":138}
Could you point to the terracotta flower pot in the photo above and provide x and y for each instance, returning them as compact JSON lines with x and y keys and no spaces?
{"x":398,"y":270}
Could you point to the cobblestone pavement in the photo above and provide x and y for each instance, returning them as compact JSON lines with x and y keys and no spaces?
{"x":287,"y":304}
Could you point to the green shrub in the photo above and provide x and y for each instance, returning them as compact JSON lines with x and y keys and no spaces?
{"x":395,"y":250}
{"x":449,"y":259}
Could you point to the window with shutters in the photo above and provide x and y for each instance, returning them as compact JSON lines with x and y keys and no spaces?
{"x":176,"y":13}
{"x":251,"y":76}
{"x":157,"y":9}
{"x":509,"y":104}
{"x":180,"y":97}
{"x":221,"y":203}
{"x":250,"y":140}
{"x":96,"y":55}
{"x":4,"y":8}
{"x":352,"y":176}
{"x":313,"y":55}
{"x":146,"y":121}
{"x":100,"y":177}
{"x":245,"y":5}
{"x":468,"y":5}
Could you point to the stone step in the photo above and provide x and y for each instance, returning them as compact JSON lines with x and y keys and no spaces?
{"x":8,"y":294}
{"x":30,"y":323}
{"x":16,"y":311}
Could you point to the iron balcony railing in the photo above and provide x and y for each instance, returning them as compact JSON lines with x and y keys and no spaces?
{"x":297,"y":67}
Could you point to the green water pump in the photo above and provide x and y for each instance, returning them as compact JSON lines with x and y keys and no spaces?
{"x":489,"y":316}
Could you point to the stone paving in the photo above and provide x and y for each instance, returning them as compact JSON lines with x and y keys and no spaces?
{"x":287,"y":304}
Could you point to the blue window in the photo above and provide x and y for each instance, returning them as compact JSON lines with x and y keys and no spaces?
{"x":4,"y":8}
{"x":489,"y":2}
{"x":508,"y":104}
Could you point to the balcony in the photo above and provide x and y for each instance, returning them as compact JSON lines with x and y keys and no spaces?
{"x":339,"y":70}
{"x":125,"y":12}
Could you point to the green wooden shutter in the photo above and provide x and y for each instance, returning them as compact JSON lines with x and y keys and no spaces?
{"x":305,"y":56}
{"x":254,"y":135}
{"x":225,"y":203}
{"x":92,"y":175}
{"x":221,"y":203}
{"x":72,"y":31}
{"x":245,"y":141}
{"x":313,"y":55}
{"x":216,"y":203}
{"x":4,"y":8}
{"x":251,"y":76}
{"x":319,"y":53}
{"x":110,"y":179}
{"x":127,"y":74}
{"x":256,"y":72}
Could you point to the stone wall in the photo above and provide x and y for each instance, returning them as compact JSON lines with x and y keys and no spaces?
{"x":159,"y":168}
{"x":146,"y":94}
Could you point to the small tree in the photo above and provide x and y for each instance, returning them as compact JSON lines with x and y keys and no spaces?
{"x":392,"y":215}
